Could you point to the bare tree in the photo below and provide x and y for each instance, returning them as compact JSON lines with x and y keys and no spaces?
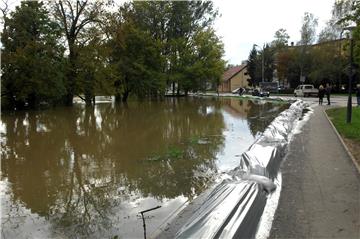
{"x":4,"y":8}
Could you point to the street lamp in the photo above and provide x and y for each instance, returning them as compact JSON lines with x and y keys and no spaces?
{"x":262,"y":62}
{"x":349,"y":103}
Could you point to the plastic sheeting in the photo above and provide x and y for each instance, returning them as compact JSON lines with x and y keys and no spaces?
{"x":234,"y":208}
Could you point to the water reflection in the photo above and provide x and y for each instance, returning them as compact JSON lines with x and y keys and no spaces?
{"x":86,"y":171}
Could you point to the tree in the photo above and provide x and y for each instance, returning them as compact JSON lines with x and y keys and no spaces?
{"x":293,"y":68}
{"x":75,"y":17}
{"x":349,"y":14}
{"x":328,"y":33}
{"x":185,"y":20}
{"x":158,"y":44}
{"x":135,"y":56}
{"x":308,"y":35}
{"x":340,"y":16}
{"x":32,"y":58}
{"x":204,"y":66}
{"x":281,"y":38}
{"x":269,"y":65}
{"x":252,"y":67}
{"x":94,"y":73}
{"x":308,"y":29}
{"x":326,"y":64}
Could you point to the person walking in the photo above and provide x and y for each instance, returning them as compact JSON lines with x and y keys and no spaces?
{"x":328,"y":92}
{"x":321,"y":94}
{"x":358,"y":94}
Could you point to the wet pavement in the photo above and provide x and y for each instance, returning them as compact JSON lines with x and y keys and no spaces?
{"x":320,"y":195}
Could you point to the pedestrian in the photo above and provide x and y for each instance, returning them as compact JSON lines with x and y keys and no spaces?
{"x":358,"y":94}
{"x":328,"y":92}
{"x":321,"y":94}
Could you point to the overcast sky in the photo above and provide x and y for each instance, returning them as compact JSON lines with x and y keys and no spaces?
{"x":247,"y":22}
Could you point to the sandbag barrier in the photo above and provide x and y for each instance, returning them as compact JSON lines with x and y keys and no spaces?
{"x":235,"y":206}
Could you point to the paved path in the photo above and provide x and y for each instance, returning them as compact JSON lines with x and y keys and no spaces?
{"x":320,"y":197}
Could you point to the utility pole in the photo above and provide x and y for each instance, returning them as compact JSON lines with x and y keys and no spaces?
{"x":262,"y":65}
{"x":349,"y":102}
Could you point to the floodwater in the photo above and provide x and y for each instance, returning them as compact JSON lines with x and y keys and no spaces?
{"x":87,"y":172}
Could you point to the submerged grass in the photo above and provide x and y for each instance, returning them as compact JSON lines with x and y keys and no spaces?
{"x":194,"y":140}
{"x":338,"y":117}
{"x":174,"y":152}
{"x":171,"y":153}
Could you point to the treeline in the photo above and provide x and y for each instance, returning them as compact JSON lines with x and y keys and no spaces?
{"x":54,"y":51}
{"x":317,"y":58}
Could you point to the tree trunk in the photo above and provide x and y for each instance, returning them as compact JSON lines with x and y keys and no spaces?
{"x":88,"y":99}
{"x":125,"y":96}
{"x":71,"y":77}
{"x":117,"y":98}
{"x":68,"y":99}
{"x":33,"y":102}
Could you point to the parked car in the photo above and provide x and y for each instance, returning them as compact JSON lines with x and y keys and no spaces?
{"x":306,"y":90}
{"x":260,"y":92}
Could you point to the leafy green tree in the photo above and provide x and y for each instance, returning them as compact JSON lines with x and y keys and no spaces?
{"x":186,"y":19}
{"x":94,"y":73}
{"x":252,"y":66}
{"x":32,"y":58}
{"x":326,"y":65}
{"x":269,"y":65}
{"x":205,"y":66}
{"x":76,"y":17}
{"x":348,"y":13}
{"x":158,"y":44}
{"x":281,"y":38}
{"x":293,"y":72}
{"x":135,"y":56}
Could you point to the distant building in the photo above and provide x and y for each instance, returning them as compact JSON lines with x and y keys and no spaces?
{"x":234,"y":78}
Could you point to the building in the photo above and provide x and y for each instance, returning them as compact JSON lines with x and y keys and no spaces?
{"x":234,"y":78}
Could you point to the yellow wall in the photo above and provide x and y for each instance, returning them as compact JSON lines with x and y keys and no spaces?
{"x":239,"y":80}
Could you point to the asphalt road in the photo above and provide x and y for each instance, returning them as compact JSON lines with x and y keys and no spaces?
{"x":320,"y":196}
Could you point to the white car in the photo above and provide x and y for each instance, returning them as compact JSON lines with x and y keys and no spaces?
{"x":306,"y":90}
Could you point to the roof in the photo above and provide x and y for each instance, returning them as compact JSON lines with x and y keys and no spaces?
{"x":231,"y":72}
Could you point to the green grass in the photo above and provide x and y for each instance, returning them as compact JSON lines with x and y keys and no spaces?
{"x":338,"y":117}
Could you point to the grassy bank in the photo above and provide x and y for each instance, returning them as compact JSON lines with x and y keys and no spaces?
{"x":350,"y":131}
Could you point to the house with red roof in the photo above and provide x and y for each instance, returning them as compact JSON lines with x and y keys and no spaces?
{"x":234,"y":78}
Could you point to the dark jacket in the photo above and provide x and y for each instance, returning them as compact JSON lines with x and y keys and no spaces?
{"x":321,"y":93}
{"x":358,"y":92}
{"x":328,"y":90}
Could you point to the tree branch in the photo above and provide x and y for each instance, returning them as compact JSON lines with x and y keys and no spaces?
{"x":81,"y":97}
{"x":63,"y":16}
{"x":71,"y":10}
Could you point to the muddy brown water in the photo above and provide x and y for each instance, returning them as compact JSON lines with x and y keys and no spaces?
{"x":87,"y":172}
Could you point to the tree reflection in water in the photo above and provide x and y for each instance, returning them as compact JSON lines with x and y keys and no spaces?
{"x":75,"y":168}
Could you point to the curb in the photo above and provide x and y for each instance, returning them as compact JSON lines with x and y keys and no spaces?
{"x":343,"y":143}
